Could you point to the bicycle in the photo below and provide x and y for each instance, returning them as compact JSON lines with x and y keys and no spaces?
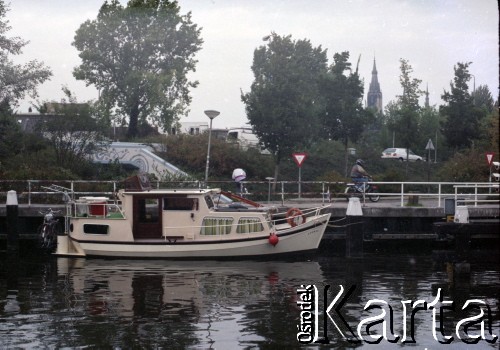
{"x":49,"y":230}
{"x":357,"y":190}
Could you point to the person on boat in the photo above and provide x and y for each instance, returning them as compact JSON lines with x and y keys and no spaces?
{"x":238,"y":176}
{"x":358,"y":173}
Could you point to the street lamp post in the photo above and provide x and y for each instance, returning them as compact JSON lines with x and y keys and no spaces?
{"x":269,"y":179}
{"x":211,"y":114}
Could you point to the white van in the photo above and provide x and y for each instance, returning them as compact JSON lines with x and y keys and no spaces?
{"x":244,"y":137}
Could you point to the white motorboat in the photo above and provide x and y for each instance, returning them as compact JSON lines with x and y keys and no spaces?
{"x":185,"y":223}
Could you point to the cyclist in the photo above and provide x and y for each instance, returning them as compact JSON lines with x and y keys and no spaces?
{"x":358,"y":173}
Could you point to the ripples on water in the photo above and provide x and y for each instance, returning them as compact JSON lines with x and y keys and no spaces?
{"x":48,"y":302}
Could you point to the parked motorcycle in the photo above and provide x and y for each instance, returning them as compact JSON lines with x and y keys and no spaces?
{"x":356,"y":189}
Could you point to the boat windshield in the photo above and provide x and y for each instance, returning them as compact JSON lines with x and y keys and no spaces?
{"x":219,"y":198}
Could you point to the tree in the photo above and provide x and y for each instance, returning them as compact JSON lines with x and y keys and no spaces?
{"x":429,"y":128}
{"x":73,"y":131}
{"x":10,"y":135}
{"x":344,"y":118}
{"x":493,"y":128}
{"x":461,"y":125}
{"x":403,"y":115}
{"x":482,"y":98}
{"x":189,"y":153}
{"x":283,"y":103}
{"x":17,"y":81}
{"x":138,"y":57}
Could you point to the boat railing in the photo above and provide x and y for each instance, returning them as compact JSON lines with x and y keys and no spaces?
{"x":98,"y":208}
{"x":315,"y":212}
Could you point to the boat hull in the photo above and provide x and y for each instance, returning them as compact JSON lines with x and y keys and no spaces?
{"x":300,"y":239}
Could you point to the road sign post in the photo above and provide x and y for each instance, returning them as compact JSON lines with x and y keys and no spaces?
{"x":489,"y":159}
{"x":429,"y":148}
{"x":299,"y":159}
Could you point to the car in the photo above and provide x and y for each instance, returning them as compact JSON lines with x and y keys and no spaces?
{"x":400,"y":154}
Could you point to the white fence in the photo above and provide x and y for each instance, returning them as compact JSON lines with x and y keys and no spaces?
{"x":430,"y":193}
{"x":466,"y":192}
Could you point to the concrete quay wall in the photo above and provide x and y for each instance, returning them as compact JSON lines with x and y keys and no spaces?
{"x":381,"y":220}
{"x":387,"y":220}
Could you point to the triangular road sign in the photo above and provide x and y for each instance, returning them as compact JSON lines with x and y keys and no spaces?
{"x":429,"y":146}
{"x":299,"y":158}
{"x":489,"y":157}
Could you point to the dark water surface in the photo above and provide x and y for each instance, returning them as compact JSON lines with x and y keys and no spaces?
{"x":48,"y":302}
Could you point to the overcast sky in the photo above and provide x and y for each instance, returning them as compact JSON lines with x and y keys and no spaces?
{"x":433,"y":35}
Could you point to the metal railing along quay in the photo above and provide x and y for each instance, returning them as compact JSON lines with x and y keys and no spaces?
{"x":51,"y":192}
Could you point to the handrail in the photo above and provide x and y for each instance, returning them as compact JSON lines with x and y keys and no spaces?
{"x":476,"y":186}
{"x":318,"y":189}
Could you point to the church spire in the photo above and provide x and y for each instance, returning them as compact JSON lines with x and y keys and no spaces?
{"x":374,"y":93}
{"x":374,"y":70}
{"x":427,"y":96}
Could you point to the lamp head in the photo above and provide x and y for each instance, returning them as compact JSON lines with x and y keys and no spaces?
{"x":212,"y":114}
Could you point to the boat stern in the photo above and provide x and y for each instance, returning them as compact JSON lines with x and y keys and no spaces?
{"x":67,"y":247}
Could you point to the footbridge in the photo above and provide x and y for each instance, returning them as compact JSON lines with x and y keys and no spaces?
{"x":137,"y":155}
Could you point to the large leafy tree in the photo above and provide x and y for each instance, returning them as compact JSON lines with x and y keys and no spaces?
{"x":461,"y":125}
{"x":344,"y":118}
{"x":138,"y":57}
{"x":17,"y":81}
{"x":283,"y":103}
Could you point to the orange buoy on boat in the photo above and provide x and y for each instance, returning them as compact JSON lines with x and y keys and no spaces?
{"x":273,"y":239}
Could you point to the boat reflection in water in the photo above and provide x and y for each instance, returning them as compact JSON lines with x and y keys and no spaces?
{"x":189,"y":303}
{"x":48,"y":302}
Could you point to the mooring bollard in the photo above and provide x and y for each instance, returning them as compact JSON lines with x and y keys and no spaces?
{"x":354,"y":231}
{"x":462,"y":241}
{"x":12,"y":221}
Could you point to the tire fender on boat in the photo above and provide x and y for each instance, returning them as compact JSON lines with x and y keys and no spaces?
{"x":291,"y":214}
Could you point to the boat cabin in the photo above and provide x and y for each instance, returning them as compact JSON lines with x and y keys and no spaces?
{"x":172,"y":214}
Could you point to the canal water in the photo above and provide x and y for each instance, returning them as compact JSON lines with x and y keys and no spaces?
{"x":60,"y":303}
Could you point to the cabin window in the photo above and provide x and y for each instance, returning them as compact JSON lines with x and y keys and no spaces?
{"x":216,"y":226}
{"x":180,"y":203}
{"x":248,"y":225}
{"x":148,"y":210}
{"x":209,"y":201}
{"x":95,"y":229}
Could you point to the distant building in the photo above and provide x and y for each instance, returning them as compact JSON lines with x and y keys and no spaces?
{"x":374,"y":98}
{"x":57,"y":107}
{"x":191,"y":128}
{"x":197,"y":128}
{"x":49,"y":111}
{"x":30,"y":122}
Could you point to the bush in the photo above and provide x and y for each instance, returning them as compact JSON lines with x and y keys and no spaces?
{"x":333,"y":177}
{"x":469,"y":165}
